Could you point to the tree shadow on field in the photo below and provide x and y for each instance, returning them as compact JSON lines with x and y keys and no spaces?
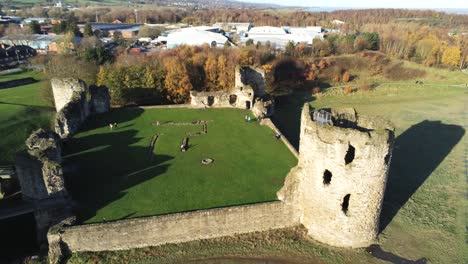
{"x":417,"y":153}
{"x":287,"y":117}
{"x":100,"y":167}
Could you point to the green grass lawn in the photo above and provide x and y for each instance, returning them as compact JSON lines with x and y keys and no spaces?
{"x":113,"y":177}
{"x":21,"y":111}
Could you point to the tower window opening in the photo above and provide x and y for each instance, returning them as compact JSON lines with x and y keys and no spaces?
{"x":349,"y":157}
{"x":327,"y":176}
{"x":345,"y":204}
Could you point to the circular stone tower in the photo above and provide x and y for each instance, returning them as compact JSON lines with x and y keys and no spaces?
{"x":338,"y":185}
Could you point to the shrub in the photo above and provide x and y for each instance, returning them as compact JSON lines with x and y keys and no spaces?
{"x":316,"y":90}
{"x":349,"y":89}
{"x":364,"y":88}
{"x":346,"y":77}
{"x":396,"y":71}
{"x":336,"y":77}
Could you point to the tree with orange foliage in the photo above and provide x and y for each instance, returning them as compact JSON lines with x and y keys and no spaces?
{"x":177,"y":81}
{"x":225,"y":76}
{"x":310,"y":76}
{"x":322,"y":64}
{"x":348,"y":89}
{"x":211,"y":70}
{"x":246,"y":57}
{"x":346,"y":77}
{"x":451,"y":56}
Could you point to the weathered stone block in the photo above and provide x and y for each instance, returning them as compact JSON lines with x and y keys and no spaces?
{"x":46,"y":142}
{"x":67,"y":89}
{"x":38,"y":168}
{"x":69,"y":119}
{"x":264,"y":107}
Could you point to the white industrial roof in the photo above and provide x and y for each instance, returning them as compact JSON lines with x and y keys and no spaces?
{"x":193,"y":36}
{"x":267,"y":30}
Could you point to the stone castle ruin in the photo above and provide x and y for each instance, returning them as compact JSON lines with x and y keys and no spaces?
{"x":39,"y":169}
{"x":72,"y":105}
{"x":41,"y":179}
{"x":247,"y":93}
{"x":335,"y":191}
{"x":338,"y":186}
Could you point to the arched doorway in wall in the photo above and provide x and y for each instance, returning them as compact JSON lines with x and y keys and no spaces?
{"x":210,"y":100}
{"x":232,"y":99}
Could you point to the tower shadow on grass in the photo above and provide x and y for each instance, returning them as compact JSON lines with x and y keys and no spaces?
{"x":107,"y":165}
{"x":417,"y":153}
{"x":99,"y":168}
{"x":287,"y":117}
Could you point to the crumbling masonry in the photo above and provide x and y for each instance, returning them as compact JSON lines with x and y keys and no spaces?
{"x":72,"y":106}
{"x":39,"y":169}
{"x":41,"y":179}
{"x":338,"y":186}
{"x":335,"y":192}
{"x":247,"y":93}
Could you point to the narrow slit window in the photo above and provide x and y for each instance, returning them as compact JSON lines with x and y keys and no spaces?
{"x":349,"y":157}
{"x":345,"y":204}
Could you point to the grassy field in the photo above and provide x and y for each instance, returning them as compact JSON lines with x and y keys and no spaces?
{"x":424,"y":212}
{"x":21,"y":111}
{"x":122,"y":181}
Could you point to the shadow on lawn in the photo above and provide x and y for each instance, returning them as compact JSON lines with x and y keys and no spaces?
{"x":287,"y":116}
{"x":49,"y":108}
{"x":417,"y":153}
{"x":100,"y":167}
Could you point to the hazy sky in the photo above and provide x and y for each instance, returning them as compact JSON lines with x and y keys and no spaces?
{"x":423,"y":4}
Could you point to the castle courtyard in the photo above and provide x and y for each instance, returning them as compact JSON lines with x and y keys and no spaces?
{"x":138,"y":169}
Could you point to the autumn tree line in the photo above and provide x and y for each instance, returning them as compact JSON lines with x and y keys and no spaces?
{"x":428,"y":37}
{"x":168,"y":76}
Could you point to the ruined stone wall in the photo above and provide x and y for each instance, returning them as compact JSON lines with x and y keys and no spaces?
{"x":338,"y":186}
{"x":67,"y":89}
{"x":264,"y":107}
{"x":238,"y":98}
{"x":251,"y":76}
{"x":38,"y":168}
{"x":72,"y":105}
{"x":69,"y":119}
{"x":176,"y":228}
